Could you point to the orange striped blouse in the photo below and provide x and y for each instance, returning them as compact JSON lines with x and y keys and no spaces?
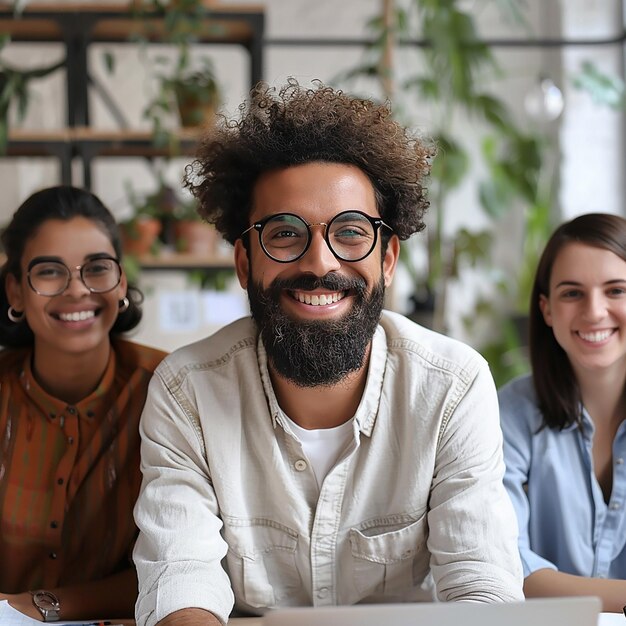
{"x":69,"y":475}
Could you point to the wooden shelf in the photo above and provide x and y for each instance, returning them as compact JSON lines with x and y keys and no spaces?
{"x":175,"y":261}
{"x":116,"y":23}
{"x":90,"y":143}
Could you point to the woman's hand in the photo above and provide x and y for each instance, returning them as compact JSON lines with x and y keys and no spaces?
{"x":550,"y":583}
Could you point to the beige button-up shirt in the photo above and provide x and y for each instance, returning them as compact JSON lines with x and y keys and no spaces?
{"x":230,"y":511}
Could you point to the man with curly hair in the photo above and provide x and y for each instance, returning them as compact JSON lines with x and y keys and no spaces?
{"x":322,"y":451}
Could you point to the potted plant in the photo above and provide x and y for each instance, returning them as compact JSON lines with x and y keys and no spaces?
{"x":193,"y":234}
{"x":140,"y":232}
{"x":162,"y":218}
{"x":190,"y":91}
{"x":196,"y":92}
{"x":186,"y":85}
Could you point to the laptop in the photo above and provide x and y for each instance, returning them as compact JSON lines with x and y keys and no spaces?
{"x":574,"y":611}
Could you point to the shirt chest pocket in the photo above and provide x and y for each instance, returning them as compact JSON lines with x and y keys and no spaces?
{"x":390,"y":561}
{"x":262,"y":562}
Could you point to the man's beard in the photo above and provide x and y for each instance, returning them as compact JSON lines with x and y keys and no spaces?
{"x":316,"y":352}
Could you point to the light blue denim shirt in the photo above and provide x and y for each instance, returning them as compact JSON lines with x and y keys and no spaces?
{"x":564,"y":521}
{"x":230,"y":510}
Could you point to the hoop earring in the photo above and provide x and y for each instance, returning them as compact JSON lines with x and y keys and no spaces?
{"x":124,"y":304}
{"x":15,"y":316}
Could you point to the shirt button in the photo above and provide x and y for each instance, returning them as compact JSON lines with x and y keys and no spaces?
{"x":53,"y":555}
{"x":322,"y":592}
{"x":620,"y":461}
{"x":71,"y":410}
{"x":54,"y":525}
{"x":615,"y":505}
{"x":70,"y":440}
{"x":300,"y":465}
{"x":60,"y":481}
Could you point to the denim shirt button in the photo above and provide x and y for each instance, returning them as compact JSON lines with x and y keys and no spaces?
{"x":300,"y":465}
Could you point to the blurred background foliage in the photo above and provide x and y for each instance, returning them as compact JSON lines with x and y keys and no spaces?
{"x":450,"y":74}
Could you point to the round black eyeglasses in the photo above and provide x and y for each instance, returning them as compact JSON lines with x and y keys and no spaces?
{"x":51,"y":278}
{"x":350,"y":235}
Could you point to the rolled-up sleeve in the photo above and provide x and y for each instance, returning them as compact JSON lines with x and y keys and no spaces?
{"x":180,"y":548}
{"x":472,"y":525}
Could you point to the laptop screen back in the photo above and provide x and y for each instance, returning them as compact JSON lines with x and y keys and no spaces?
{"x":573,"y":611}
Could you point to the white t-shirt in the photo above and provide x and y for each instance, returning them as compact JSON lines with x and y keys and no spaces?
{"x":323,"y":446}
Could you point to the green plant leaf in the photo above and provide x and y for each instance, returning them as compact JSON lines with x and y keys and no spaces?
{"x":492,"y":109}
{"x":470,"y":249}
{"x":427,"y":87}
{"x":451,"y":163}
{"x":603,"y":88}
{"x":495,"y":195}
{"x":108,"y":58}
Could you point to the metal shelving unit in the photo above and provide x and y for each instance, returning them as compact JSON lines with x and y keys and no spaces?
{"x":78,"y":26}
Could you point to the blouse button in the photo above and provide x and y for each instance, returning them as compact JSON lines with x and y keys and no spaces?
{"x":300,"y":465}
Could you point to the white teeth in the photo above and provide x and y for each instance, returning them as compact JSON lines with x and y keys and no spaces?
{"x":600,"y":335}
{"x":318,"y":300}
{"x":77,"y":316}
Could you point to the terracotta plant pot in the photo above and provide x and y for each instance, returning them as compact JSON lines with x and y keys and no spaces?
{"x":196,"y":237}
{"x":193,"y":111}
{"x":140,"y":235}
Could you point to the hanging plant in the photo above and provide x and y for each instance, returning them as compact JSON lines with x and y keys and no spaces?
{"x":14,"y":90}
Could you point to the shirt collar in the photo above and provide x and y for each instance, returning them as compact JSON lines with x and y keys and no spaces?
{"x":92,"y":407}
{"x":587,"y":423}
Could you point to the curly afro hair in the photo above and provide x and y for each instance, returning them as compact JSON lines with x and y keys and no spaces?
{"x":298,"y":125}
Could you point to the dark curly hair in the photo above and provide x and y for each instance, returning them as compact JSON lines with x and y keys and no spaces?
{"x":297,"y":125}
{"x":56,"y":203}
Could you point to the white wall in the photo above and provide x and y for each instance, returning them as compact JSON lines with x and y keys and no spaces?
{"x":592,"y":136}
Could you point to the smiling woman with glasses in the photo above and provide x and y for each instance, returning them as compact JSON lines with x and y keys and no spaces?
{"x":48,"y":277}
{"x":71,"y":394}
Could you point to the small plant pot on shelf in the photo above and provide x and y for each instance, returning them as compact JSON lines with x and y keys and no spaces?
{"x":195,"y":237}
{"x":197,"y":94}
{"x":139,"y":236}
{"x":193,"y":110}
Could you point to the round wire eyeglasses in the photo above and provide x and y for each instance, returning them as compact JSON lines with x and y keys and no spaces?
{"x":350,"y":235}
{"x":51,"y":277}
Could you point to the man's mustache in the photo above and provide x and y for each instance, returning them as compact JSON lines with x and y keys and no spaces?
{"x":308,"y":282}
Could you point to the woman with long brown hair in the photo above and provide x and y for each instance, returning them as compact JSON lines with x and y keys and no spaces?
{"x":564,"y":430}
